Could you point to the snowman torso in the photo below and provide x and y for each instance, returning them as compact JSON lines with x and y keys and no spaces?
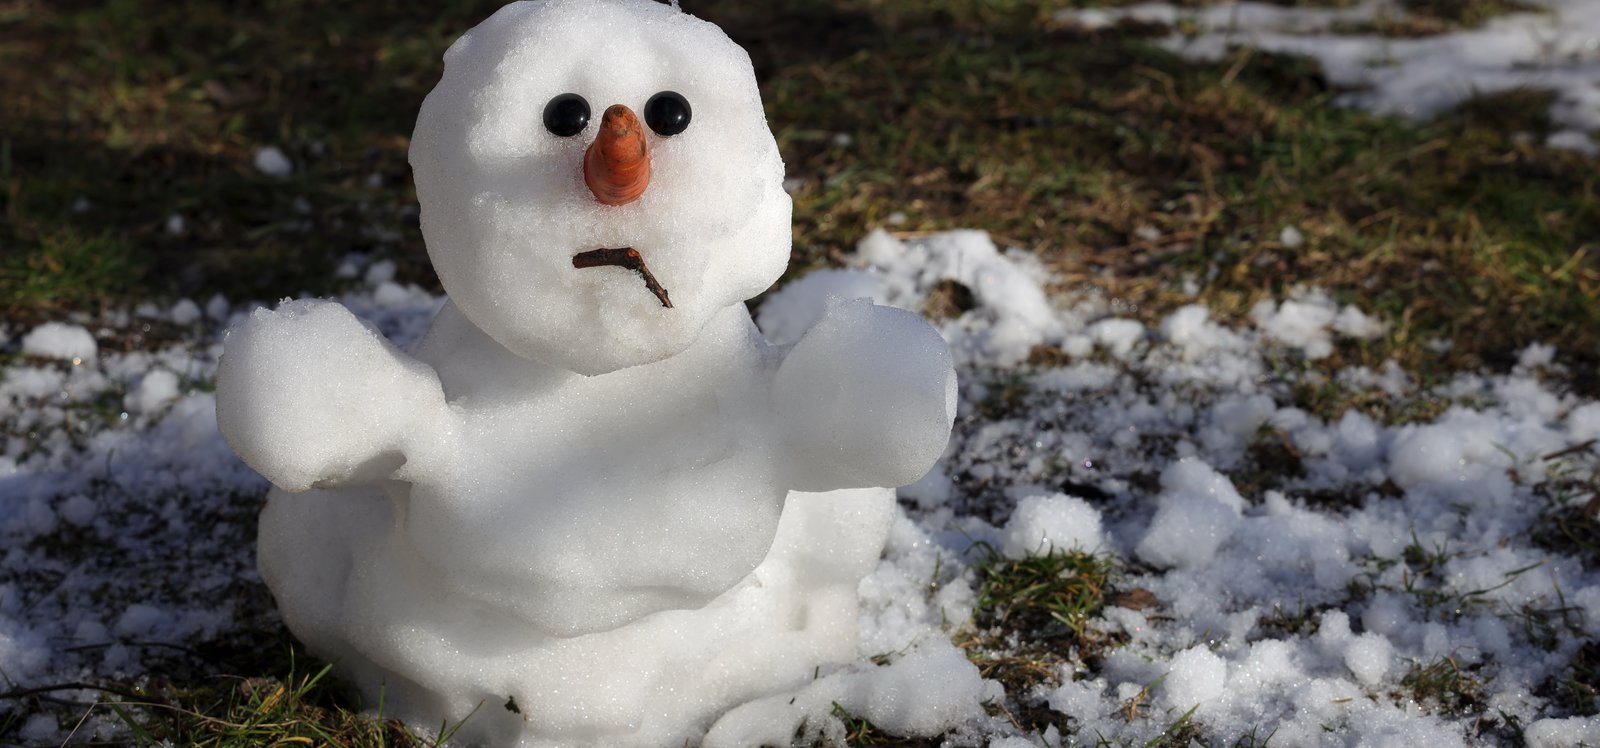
{"x":611,"y":496}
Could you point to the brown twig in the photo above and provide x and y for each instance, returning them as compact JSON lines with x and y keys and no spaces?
{"x":1572,"y":450}
{"x":623,"y":257}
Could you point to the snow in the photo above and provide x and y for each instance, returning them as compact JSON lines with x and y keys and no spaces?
{"x":1117,"y":336}
{"x":1042,"y":524}
{"x":1563,"y":733}
{"x":40,"y":727}
{"x":62,"y":341}
{"x":791,"y":310}
{"x":1553,"y":47}
{"x":155,"y":389}
{"x":1187,"y":530}
{"x":1013,"y":313}
{"x":1309,"y":320}
{"x":379,"y":273}
{"x":272,"y":162}
{"x":1222,"y":560}
{"x":1195,"y":676}
{"x":185,"y":312}
{"x":78,"y":510}
{"x":930,"y":690}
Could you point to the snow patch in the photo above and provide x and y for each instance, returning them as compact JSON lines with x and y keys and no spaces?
{"x":61,"y":341}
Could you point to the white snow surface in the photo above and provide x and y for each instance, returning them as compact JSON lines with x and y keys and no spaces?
{"x":61,"y":341}
{"x":1294,"y":602}
{"x":1555,"y":47}
{"x":271,"y":161}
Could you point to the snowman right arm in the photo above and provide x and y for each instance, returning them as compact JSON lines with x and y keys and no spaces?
{"x":310,"y":397}
{"x":866,"y":398}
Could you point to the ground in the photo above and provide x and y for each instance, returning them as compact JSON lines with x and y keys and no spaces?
{"x":1141,"y":182}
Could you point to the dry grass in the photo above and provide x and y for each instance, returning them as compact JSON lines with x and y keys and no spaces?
{"x":1124,"y":167}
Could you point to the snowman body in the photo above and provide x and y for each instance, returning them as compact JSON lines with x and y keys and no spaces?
{"x":608,"y":490}
{"x":578,"y":511}
{"x":621,"y":609}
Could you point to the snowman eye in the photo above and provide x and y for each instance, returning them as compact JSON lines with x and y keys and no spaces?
{"x":566,"y":115}
{"x":667,"y":113}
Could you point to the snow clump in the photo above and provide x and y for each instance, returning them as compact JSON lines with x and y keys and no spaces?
{"x":1309,"y":320}
{"x":1041,"y":525}
{"x":61,"y":341}
{"x":271,"y":162}
{"x":1549,"y":46}
{"x":1263,"y":601}
{"x":1012,"y":314}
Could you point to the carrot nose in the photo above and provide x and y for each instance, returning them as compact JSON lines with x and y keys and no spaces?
{"x":617,"y":165}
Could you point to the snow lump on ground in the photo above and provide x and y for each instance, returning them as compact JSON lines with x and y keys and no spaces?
{"x":1323,"y":576}
{"x":60,"y":341}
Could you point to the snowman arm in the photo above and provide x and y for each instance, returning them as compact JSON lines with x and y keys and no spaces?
{"x":310,"y":396}
{"x":866,"y":398}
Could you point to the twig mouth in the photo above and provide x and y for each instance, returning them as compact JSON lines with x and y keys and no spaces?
{"x":623,"y":257}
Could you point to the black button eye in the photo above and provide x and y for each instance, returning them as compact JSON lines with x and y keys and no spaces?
{"x":566,"y":115}
{"x":667,"y":113}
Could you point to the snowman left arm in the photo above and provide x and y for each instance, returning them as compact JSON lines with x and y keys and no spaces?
{"x":310,"y":397}
{"x":866,"y":398}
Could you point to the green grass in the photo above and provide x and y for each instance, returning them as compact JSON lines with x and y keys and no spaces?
{"x":69,"y":270}
{"x":1032,"y":621}
{"x":1066,"y":587}
{"x":1443,"y":686}
{"x":301,"y":706}
{"x":959,"y":113}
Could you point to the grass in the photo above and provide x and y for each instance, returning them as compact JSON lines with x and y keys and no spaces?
{"x":1064,"y":587}
{"x":67,"y":269}
{"x":1569,"y":520}
{"x":1443,"y":686}
{"x":298,"y":705}
{"x":1330,"y":400}
{"x":958,"y":113}
{"x":1425,"y":576}
{"x":298,"y":708}
{"x":1467,"y":12}
{"x":1032,"y":622}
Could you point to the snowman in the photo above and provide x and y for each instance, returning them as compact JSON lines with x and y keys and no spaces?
{"x":592,"y":505}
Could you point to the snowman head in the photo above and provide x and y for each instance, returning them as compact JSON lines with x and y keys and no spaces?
{"x":597,"y":180}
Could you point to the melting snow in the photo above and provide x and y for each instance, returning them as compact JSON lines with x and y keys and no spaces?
{"x":1556,"y":49}
{"x":271,"y":162}
{"x":1291,"y":602}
